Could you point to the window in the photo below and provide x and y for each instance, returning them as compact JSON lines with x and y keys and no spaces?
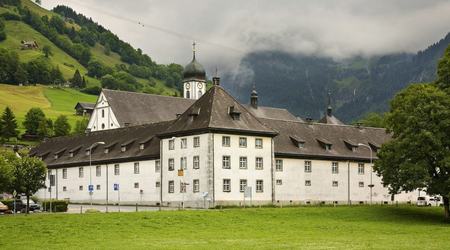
{"x":196,"y":186}
{"x":361,"y":184}
{"x":142,"y":146}
{"x":182,"y":187}
{"x":279,"y":165}
{"x":308,"y":183}
{"x":334,"y":168}
{"x":328,"y":147}
{"x":64,"y":188}
{"x":226,"y":185}
{"x":242,"y":185}
{"x":64,"y":174}
{"x":158,"y":184}
{"x":98,"y":171}
{"x":243,"y":142}
{"x":123,"y":148}
{"x":360,"y":168}
{"x":80,"y":172}
{"x":308,"y":167}
{"x":80,"y":188}
{"x":258,"y":143}
{"x":103,"y":126}
{"x":183,"y":163}
{"x":226,"y":162}
{"x":136,"y":168}
{"x":106,"y":150}
{"x":259,"y":186}
{"x":279,"y":182}
{"x":259,"y":163}
{"x":196,"y":162}
{"x":335,"y":184}
{"x":171,"y":186}
{"x":157,"y":166}
{"x":171,"y":144}
{"x":188,"y":94}
{"x":88,"y":152}
{"x":136,"y":185}
{"x":183,"y":143}
{"x":199,"y":94}
{"x":103,"y":113}
{"x":301,"y":144}
{"x":196,"y":142}
{"x":116,"y":169}
{"x":243,"y":162}
{"x":98,"y":187}
{"x":71,"y":154}
{"x":171,"y":164}
{"x":226,"y":141}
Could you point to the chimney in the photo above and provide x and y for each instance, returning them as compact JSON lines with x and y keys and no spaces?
{"x":216,"y":80}
{"x":309,"y":120}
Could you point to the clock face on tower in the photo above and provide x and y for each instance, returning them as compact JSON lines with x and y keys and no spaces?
{"x":188,"y":85}
{"x":199,"y":85}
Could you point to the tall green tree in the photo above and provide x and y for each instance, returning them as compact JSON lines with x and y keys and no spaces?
{"x":77,"y":80}
{"x":373,"y":120}
{"x":8,"y":124}
{"x":443,"y":71}
{"x":45,"y":128}
{"x":47,"y":51}
{"x":62,"y":126}
{"x":7,"y":159}
{"x":28,"y":176}
{"x":32,"y":119}
{"x":80,"y":127}
{"x":21,"y":75}
{"x":418,"y":155}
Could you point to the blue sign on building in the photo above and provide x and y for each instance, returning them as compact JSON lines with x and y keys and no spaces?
{"x":116,"y":187}
{"x":91,"y":188}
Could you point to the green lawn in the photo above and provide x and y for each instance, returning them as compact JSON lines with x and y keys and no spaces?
{"x":267,"y":228}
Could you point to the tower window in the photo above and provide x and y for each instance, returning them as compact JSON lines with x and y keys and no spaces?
{"x":188,"y":94}
{"x":103,"y":113}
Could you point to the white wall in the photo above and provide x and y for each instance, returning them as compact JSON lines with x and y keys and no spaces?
{"x":194,"y":88}
{"x":102,"y":117}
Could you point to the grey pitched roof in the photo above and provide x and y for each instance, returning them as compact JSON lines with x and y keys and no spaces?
{"x":338,"y":136}
{"x":214,"y":111}
{"x":131,"y":137}
{"x":85,"y":105}
{"x":272,"y":113}
{"x":139,"y":108}
{"x":330,"y":119}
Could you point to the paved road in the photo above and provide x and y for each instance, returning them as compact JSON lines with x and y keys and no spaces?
{"x":76,"y":208}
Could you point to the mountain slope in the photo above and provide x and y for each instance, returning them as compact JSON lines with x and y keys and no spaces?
{"x":358,"y":85}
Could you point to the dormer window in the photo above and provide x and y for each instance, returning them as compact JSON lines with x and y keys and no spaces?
{"x":123,"y":148}
{"x":106,"y":150}
{"x":88,"y":152}
{"x":56,"y":156}
{"x":325,"y":144}
{"x":142,"y":146}
{"x":298,"y":142}
{"x":234,"y":113}
{"x":125,"y":145}
{"x":71,"y":154}
{"x":328,"y":147}
{"x":351,"y":145}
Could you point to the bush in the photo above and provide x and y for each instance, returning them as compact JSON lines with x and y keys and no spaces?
{"x":9,"y":203}
{"x":57,"y":205}
{"x":92,"y":90}
{"x":10,"y":16}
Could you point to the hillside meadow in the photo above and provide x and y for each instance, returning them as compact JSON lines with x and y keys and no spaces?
{"x":359,"y":227}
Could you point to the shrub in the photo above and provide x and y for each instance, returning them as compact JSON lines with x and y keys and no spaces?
{"x":9,"y":203}
{"x":57,"y":205}
{"x":95,"y":90}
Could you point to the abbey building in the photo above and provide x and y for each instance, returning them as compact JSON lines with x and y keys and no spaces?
{"x":207,"y":149}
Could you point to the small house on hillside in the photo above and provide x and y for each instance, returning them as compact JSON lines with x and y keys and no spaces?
{"x":29,"y":44}
{"x":84,"y":108}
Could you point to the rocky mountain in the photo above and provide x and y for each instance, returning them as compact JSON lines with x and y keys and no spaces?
{"x":358,"y":85}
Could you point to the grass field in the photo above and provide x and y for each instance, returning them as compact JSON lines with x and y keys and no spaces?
{"x":267,"y":228}
{"x":53,"y":101}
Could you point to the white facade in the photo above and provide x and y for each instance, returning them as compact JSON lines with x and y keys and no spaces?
{"x":194,"y":89}
{"x":102,"y":117}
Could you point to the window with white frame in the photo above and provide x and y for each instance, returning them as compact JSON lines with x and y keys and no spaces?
{"x":136,"y":168}
{"x":183,"y":163}
{"x":360,"y":168}
{"x":183,"y":143}
{"x":259,"y":165}
{"x":226,"y":141}
{"x":242,"y":185}
{"x":171,"y":164}
{"x":80,"y":188}
{"x":196,"y":186}
{"x":157,"y":166}
{"x":196,"y":142}
{"x":279,"y":182}
{"x":335,"y":183}
{"x":243,"y":162}
{"x":258,"y":143}
{"x":226,"y":185}
{"x":158,"y":184}
{"x":279,"y":165}
{"x":259,"y":186}
{"x":182,"y":187}
{"x":335,"y":167}
{"x":136,"y":185}
{"x":308,"y":167}
{"x":116,"y":169}
{"x":80,"y":172}
{"x":98,"y":187}
{"x":64,"y":173}
{"x":308,"y":183}
{"x":226,"y":162}
{"x":361,"y":184}
{"x":242,"y":142}
{"x":172,"y":144}
{"x":98,"y":171}
{"x":171,"y":186}
{"x":196,"y":162}
{"x":64,"y":188}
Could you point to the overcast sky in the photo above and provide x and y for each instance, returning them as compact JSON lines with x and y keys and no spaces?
{"x":226,"y":30}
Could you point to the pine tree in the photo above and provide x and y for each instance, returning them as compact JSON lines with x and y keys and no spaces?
{"x":8,"y":124}
{"x":77,"y":81}
{"x":62,"y":126}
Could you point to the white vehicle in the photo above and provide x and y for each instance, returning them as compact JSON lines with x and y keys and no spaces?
{"x":435,"y":201}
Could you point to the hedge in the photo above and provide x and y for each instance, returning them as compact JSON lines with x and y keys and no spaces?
{"x":57,"y":205}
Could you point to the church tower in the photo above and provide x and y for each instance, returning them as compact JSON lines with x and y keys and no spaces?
{"x":194,"y":78}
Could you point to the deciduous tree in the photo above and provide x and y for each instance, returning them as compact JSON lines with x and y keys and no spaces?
{"x":62,"y":126}
{"x":32,"y":119}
